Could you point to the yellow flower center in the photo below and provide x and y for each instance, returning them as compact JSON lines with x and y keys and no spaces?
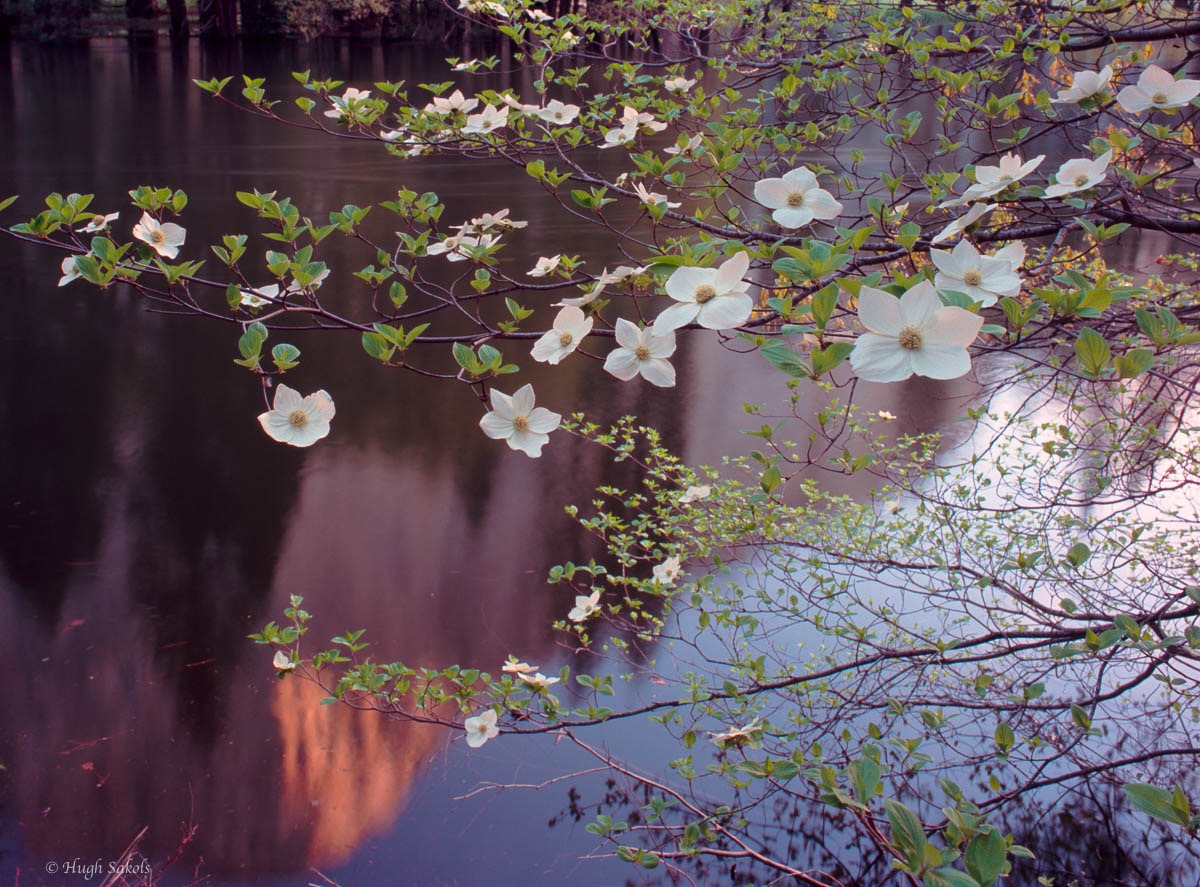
{"x":972,"y":277}
{"x":565,"y":339}
{"x":1081,"y":180}
{"x":1159,"y":98}
{"x":910,"y":337}
{"x":642,"y":352}
{"x":157,"y":235}
{"x":704,"y":293}
{"x":298,"y":418}
{"x":520,"y":422}
{"x":796,"y":198}
{"x":558,"y":115}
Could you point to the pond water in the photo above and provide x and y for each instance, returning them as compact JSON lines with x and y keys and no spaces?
{"x":149,"y":525}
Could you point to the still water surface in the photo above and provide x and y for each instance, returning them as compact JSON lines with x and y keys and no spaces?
{"x":147,"y":525}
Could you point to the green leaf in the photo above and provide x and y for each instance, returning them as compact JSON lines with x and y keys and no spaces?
{"x":947,"y":877}
{"x":1134,"y":363}
{"x":907,"y":832}
{"x":1157,"y":802}
{"x":987,"y":857}
{"x":1093,"y":352}
{"x":285,"y":356}
{"x":1077,"y":554}
{"x":864,"y":779}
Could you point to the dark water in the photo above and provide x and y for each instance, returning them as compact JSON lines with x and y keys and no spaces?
{"x":147,"y":525}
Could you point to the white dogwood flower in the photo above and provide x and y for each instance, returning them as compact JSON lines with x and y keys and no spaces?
{"x":1157,"y":89}
{"x":283,"y":662}
{"x":962,"y":223}
{"x":1084,"y":85}
{"x":99,"y":223}
{"x":695,"y":494}
{"x":1079,"y":175}
{"x":487,"y":121}
{"x":516,"y":421}
{"x":456,"y":101}
{"x":668,"y":571}
{"x":481,"y":728}
{"x":164,"y":238}
{"x":297,"y":420}
{"x":570,"y":327}
{"x":715,"y":298}
{"x":991,"y":180}
{"x":557,"y":113}
{"x":545,"y":265}
{"x":796,"y":198}
{"x":983,"y":278}
{"x":347,"y":102}
{"x":585,"y":606}
{"x":642,"y":352}
{"x":651,"y":198}
{"x":678,"y":85}
{"x":912,"y":334}
{"x":621,"y":135}
{"x":514,"y":666}
{"x":69,"y":271}
{"x":538,"y":680}
{"x":686,"y":147}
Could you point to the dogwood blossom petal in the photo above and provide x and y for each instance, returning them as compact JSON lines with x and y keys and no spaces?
{"x":481,"y":728}
{"x":571,"y":325}
{"x":297,"y":420}
{"x":515,"y":420}
{"x":930,"y":340}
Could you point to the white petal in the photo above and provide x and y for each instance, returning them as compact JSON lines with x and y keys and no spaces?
{"x":543,"y":421}
{"x":730,"y":273}
{"x":679,"y":315}
{"x":286,"y":399}
{"x":496,"y":426}
{"x":622,"y":363}
{"x":529,"y":442}
{"x":658,"y":372}
{"x":319,"y":406}
{"x":793,"y":216}
{"x":952,"y":326}
{"x":879,"y":311}
{"x":628,"y":335}
{"x":772,"y":193}
{"x":683,"y":283}
{"x":523,"y":400}
{"x":919,"y":304}
{"x":822,"y":204}
{"x":725,"y":312}
{"x":801,"y":178}
{"x":880,"y":359}
{"x":502,"y":405}
{"x":941,"y":361}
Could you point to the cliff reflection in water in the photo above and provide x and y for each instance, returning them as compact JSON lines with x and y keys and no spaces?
{"x":149,"y":526}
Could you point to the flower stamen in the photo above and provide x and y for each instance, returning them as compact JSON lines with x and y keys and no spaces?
{"x":910,"y":337}
{"x":795,"y":198}
{"x":520,"y":422}
{"x":297,"y":418}
{"x":565,"y":338}
{"x":642,"y":352}
{"x":972,"y":277}
{"x":1159,"y":98}
{"x":704,"y":293}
